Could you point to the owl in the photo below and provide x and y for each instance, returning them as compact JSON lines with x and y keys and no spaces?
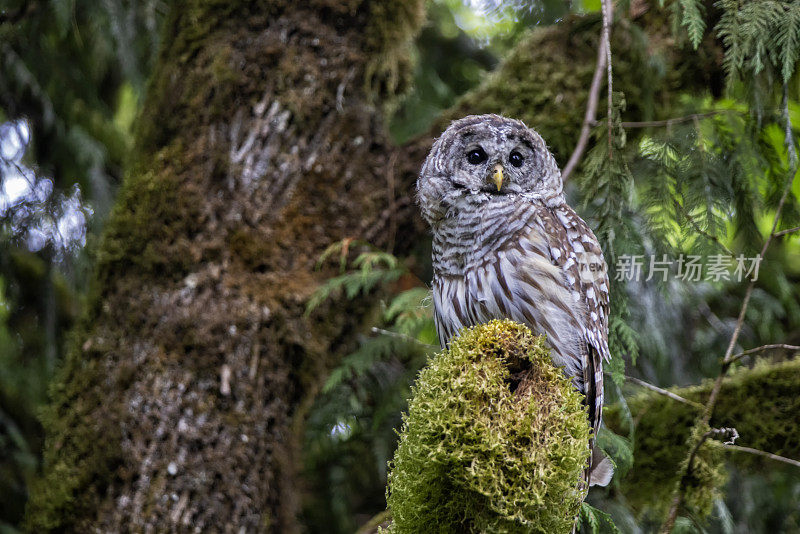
{"x":507,"y":245}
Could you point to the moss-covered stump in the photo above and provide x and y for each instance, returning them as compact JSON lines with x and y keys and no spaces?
{"x":495,"y":440}
{"x":761,"y":403}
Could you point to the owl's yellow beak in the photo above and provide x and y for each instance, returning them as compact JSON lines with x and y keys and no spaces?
{"x":497,"y":176}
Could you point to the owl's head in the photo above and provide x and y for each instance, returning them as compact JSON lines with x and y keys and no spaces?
{"x":487,"y":156}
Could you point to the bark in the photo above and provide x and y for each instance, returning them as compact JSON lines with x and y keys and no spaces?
{"x":181,"y":401}
{"x":260,"y":143}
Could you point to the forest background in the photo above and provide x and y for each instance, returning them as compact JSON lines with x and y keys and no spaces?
{"x":214,"y":281}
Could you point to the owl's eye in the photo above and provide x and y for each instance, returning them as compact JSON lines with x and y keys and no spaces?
{"x":516,"y":159}
{"x":476,"y":156}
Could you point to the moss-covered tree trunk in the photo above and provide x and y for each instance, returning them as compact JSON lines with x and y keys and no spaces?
{"x":259,"y":145}
{"x":181,"y":401}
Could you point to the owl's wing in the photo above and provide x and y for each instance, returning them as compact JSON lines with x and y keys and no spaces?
{"x":563,"y":238}
{"x":589,"y":277}
{"x":575,"y":251}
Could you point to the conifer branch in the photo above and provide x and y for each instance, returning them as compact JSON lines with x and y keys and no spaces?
{"x":700,"y":231}
{"x":728,"y":359}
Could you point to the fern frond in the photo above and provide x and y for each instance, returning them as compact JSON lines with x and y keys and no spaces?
{"x":693,"y":20}
{"x":356,"y":364}
{"x":788,"y":41}
{"x":618,"y":448}
{"x":342,"y":248}
{"x":597,"y":521}
{"x":374,"y":268}
{"x":367,"y":261}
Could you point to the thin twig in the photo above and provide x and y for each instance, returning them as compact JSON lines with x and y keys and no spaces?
{"x":608,"y":6}
{"x":374,"y":522}
{"x":728,"y":434}
{"x":678,"y":120}
{"x":789,"y":231}
{"x":677,"y":501}
{"x":764,"y":454}
{"x":390,"y":194}
{"x":787,"y":130}
{"x":664,"y":392}
{"x":748,"y":352}
{"x":591,"y":111}
{"x":715,"y":322}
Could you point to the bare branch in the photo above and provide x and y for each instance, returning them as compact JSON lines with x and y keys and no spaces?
{"x":715,"y":322}
{"x":787,"y":134}
{"x":679,"y":120}
{"x":664,"y":392}
{"x":763,"y":453}
{"x":374,"y":522}
{"x":404,"y":337}
{"x":591,"y":111}
{"x":608,"y":14}
{"x":748,"y":352}
{"x":789,"y":231}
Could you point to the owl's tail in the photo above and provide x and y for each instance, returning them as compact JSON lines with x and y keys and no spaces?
{"x":602,"y":469}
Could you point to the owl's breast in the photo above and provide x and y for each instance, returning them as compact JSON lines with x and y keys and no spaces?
{"x":475,"y":229}
{"x":515,"y":284}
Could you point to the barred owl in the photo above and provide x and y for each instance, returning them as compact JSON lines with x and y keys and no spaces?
{"x":506,"y":245}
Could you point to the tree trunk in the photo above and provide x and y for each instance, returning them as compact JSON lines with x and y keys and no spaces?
{"x":260,"y":143}
{"x":181,"y":400}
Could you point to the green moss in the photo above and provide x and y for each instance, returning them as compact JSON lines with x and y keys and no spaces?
{"x":478,"y":454}
{"x":150,"y":224}
{"x":761,"y":403}
{"x":391,"y":27}
{"x":82,"y":443}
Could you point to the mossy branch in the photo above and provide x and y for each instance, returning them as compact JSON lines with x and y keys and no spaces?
{"x":761,"y":403}
{"x":495,"y":440}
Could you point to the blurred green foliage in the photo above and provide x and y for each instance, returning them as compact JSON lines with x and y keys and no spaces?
{"x":74,"y":72}
{"x":458,"y":46}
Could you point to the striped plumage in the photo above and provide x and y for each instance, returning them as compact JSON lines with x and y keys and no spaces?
{"x":514,"y":249}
